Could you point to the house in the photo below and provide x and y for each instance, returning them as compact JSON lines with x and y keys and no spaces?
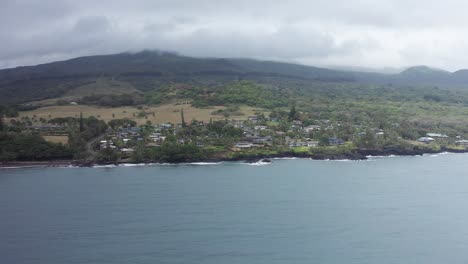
{"x":253,"y":119}
{"x":105,"y":144}
{"x":260,"y":127}
{"x":323,"y":121}
{"x":237,"y":124}
{"x":435,"y":135}
{"x":297,"y":122}
{"x":311,"y":128}
{"x":295,"y":144}
{"x":426,"y":140}
{"x":243,"y":145}
{"x":335,"y":141}
{"x":127,"y":150}
{"x":135,"y":129}
{"x":462,"y":143}
{"x":165,"y":126}
{"x":312,"y":143}
{"x":307,"y":143}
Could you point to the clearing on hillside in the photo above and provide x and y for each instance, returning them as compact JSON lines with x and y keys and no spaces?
{"x":155,"y":114}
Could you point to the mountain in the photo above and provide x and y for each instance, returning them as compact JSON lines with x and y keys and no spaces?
{"x":145,"y":71}
{"x":425,"y":76}
{"x":149,"y":70}
{"x":421,"y":75}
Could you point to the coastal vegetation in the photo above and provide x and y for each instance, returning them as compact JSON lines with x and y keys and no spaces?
{"x":196,"y":109}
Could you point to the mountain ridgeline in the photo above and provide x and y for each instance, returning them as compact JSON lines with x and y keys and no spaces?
{"x":148,"y":70}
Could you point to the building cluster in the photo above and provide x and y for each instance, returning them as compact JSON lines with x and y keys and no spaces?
{"x":257,"y":132}
{"x":442,"y":138}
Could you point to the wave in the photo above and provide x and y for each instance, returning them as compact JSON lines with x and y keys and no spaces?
{"x":134,"y":164}
{"x":185,"y":164}
{"x":14,"y":167}
{"x":439,"y":154}
{"x":105,"y":166}
{"x":258,"y":163}
{"x":203,"y":163}
{"x":381,"y":157}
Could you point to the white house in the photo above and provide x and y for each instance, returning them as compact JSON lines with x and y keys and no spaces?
{"x":243,"y":145}
{"x":435,"y":135}
{"x":463,"y":143}
{"x":426,"y":140}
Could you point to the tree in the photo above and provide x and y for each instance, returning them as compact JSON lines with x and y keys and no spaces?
{"x":292,"y":113}
{"x":2,"y":125}
{"x":81,"y":122}
{"x":182,"y":117}
{"x":108,"y":154}
{"x":116,"y":123}
{"x":368,"y":139}
{"x":323,"y":140}
{"x":139,"y":154}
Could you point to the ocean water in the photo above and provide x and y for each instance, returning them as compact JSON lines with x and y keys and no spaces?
{"x":385,"y":210}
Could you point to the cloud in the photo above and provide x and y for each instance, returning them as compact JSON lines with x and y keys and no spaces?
{"x":369,"y":33}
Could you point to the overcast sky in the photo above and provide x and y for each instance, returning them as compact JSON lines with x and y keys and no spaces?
{"x":365,"y":33}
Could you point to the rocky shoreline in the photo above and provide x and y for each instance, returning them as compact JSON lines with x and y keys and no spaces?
{"x":359,"y":154}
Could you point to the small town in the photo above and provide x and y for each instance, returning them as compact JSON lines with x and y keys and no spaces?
{"x":258,"y":136}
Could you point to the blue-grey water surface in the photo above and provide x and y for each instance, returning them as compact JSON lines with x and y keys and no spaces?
{"x":388,"y":210}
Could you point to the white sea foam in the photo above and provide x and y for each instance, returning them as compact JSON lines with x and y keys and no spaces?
{"x":375,"y":157}
{"x":188,"y":163}
{"x":133,"y":164}
{"x":105,"y":166}
{"x":381,"y":157}
{"x":258,"y":163}
{"x":203,"y":163}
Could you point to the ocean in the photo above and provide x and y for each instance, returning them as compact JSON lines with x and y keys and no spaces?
{"x":382,"y":210}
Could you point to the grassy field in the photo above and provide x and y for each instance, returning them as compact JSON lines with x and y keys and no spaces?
{"x":56,"y":139}
{"x":102,"y":86}
{"x":155,"y":114}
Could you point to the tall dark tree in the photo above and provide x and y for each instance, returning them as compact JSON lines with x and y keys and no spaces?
{"x":81,"y":122}
{"x":292,"y":113}
{"x":2,"y":125}
{"x":182,"y":117}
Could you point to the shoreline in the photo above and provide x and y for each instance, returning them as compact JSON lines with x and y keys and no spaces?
{"x":361,"y":154}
